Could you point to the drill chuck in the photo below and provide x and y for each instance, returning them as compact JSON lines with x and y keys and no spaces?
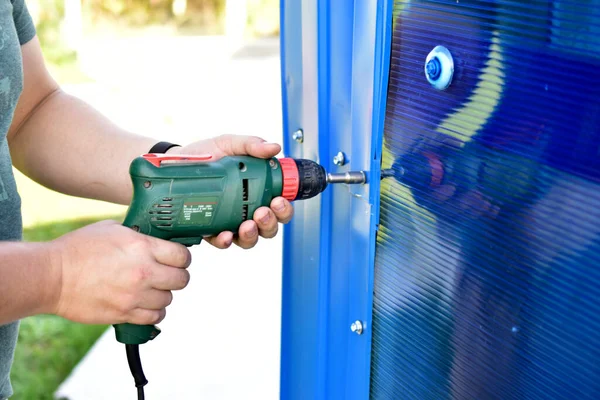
{"x":304,"y":179}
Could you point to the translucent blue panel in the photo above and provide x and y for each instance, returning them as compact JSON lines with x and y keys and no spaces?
{"x":487,"y":267}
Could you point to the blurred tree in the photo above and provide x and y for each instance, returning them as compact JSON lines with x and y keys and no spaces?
{"x":263,"y":17}
{"x":48,"y":16}
{"x":258,"y":17}
{"x":60,"y":23}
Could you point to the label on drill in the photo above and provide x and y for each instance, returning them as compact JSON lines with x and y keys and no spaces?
{"x":198,"y":210}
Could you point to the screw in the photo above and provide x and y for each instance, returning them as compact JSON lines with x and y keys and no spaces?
{"x":272,"y":164}
{"x":298,"y":136}
{"x":339,"y":159}
{"x":434,"y":68}
{"x":147,"y":184}
{"x":135,"y":228}
{"x":357,"y":327}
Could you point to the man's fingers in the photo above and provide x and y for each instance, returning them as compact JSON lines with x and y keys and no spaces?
{"x":169,"y":278}
{"x":266,"y":221}
{"x":156,"y":299}
{"x":283,"y":209}
{"x":247,"y":235}
{"x":234,"y":145}
{"x":222,"y":241}
{"x":141,"y":316}
{"x":170,"y":253}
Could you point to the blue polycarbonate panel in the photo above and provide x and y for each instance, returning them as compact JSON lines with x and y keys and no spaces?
{"x":487,"y":270}
{"x":335,"y":62}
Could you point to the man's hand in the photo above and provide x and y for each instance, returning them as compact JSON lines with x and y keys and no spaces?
{"x":108,"y":274}
{"x":265,"y":220}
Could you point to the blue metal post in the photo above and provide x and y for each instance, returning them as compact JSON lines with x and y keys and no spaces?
{"x":334,"y":76}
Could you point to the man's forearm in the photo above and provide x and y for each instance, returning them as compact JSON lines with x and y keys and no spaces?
{"x":68,"y":146}
{"x":29,"y":280}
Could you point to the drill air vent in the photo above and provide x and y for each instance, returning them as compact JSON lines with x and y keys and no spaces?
{"x":244,"y":198}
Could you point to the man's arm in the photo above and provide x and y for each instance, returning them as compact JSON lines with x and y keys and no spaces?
{"x":64,"y":144}
{"x":28,"y":276}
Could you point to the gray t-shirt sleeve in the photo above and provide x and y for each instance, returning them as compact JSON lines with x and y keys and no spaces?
{"x":23,"y":22}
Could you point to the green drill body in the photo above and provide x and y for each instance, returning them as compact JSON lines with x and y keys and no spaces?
{"x":183,"y":202}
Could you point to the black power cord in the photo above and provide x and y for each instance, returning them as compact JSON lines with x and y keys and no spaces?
{"x":135,"y":366}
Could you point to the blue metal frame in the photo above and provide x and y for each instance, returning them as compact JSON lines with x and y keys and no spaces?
{"x":334,"y":60}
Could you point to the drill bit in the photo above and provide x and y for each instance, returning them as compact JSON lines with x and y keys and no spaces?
{"x":351,"y":177}
{"x":359,"y":177}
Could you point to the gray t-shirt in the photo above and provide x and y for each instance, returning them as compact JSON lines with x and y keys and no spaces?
{"x":16,"y":28}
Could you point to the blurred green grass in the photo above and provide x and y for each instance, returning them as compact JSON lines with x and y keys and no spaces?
{"x":50,"y":347}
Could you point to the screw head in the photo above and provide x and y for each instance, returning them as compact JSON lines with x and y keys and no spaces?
{"x":298,"y":136}
{"x":357,"y":327}
{"x":147,"y":184}
{"x":339,"y":159}
{"x":272,"y":164}
{"x":433,"y":68}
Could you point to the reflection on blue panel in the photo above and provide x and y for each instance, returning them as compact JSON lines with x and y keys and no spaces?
{"x":487,"y":279}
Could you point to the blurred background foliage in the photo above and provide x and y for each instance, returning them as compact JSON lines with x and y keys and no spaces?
{"x":134,"y":17}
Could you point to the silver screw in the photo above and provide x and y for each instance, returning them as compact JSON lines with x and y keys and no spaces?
{"x":339,"y":159}
{"x":357,"y":327}
{"x":298,"y":136}
{"x":272,"y":164}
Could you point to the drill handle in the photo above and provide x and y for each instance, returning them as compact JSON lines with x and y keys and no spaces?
{"x":140,"y":334}
{"x":135,"y":334}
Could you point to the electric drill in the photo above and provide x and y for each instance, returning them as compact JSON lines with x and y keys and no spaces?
{"x":184,"y":198}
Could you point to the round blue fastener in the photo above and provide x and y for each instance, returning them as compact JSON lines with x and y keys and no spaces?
{"x":434,"y":69}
